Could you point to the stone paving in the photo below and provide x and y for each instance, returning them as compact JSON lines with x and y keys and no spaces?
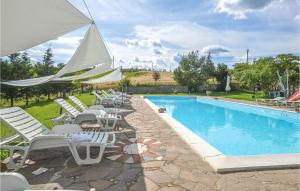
{"x":180,"y":169}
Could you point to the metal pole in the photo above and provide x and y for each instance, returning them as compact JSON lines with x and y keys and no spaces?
{"x":247,"y":59}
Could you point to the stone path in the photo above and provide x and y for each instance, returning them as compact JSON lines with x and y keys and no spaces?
{"x":180,"y":169}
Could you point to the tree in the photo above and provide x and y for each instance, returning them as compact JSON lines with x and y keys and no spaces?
{"x":191,"y":72}
{"x":156,"y":76}
{"x":46,"y":68}
{"x":250,"y":79}
{"x":209,"y":66}
{"x":16,"y":68}
{"x":221,"y":74}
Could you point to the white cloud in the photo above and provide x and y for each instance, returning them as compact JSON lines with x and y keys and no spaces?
{"x":297,"y":18}
{"x":240,"y":8}
{"x":214,"y":49}
{"x":191,"y":36}
{"x":154,"y":45}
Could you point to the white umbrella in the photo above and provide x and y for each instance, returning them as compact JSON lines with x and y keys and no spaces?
{"x":227,"y":89}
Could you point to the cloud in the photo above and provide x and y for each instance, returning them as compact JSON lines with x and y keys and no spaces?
{"x":192,"y":36}
{"x":240,"y":8}
{"x":297,"y":18}
{"x":214,"y":49}
{"x":154,"y":45}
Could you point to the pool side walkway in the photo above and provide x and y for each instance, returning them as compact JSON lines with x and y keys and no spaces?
{"x":180,"y":169}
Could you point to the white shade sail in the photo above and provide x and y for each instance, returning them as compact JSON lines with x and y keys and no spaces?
{"x":27,"y":23}
{"x":112,"y":77}
{"x":93,"y":72}
{"x":91,"y":51}
{"x":29,"y":82}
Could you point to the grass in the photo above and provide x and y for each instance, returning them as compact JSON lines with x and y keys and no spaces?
{"x":43,"y":111}
{"x":239,"y":95}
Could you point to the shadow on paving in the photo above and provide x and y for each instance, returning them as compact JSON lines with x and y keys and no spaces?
{"x":180,"y":169}
{"x":64,"y":173}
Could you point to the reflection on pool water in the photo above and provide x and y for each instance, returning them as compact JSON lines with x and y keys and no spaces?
{"x":235,"y":129}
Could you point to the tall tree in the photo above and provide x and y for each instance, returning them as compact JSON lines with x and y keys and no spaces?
{"x":209,"y":66}
{"x":191,"y":71}
{"x":46,"y":68}
{"x":221,"y":74}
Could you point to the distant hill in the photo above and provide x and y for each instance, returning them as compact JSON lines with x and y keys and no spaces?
{"x":145,"y":78}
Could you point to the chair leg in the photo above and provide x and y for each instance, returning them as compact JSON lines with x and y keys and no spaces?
{"x":88,"y":159}
{"x":11,"y":164}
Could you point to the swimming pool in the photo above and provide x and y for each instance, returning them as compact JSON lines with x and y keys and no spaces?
{"x":235,"y":129}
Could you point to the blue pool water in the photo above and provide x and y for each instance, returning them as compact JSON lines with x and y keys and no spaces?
{"x":235,"y":129}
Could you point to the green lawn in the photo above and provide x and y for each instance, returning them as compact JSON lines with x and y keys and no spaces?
{"x":239,"y":95}
{"x":43,"y":111}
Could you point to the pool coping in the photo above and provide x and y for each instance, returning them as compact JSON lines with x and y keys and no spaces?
{"x":222,"y":163}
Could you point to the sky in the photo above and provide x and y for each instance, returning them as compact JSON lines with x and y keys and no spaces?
{"x":142,"y":33}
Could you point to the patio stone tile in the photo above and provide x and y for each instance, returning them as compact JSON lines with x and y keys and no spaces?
{"x":153,"y":164}
{"x":158,"y":176}
{"x":128,"y":175}
{"x":186,"y":184}
{"x":144,"y":183}
{"x":203,"y":187}
{"x":172,"y":170}
{"x":171,"y":189}
{"x":100,"y":184}
{"x":114,"y":173}
{"x":120,"y":186}
{"x":79,"y":186}
{"x":96,"y":173}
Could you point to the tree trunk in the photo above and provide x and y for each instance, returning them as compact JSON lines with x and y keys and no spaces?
{"x":11,"y":101}
{"x":49,"y":96}
{"x":26,"y":98}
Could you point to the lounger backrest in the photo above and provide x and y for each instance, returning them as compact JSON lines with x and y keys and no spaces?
{"x":78,"y":103}
{"x":105,"y":93}
{"x":22,"y":122}
{"x":97,"y":95}
{"x":67,"y":107}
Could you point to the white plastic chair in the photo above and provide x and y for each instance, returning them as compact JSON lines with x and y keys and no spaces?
{"x":108,"y":120}
{"x":107,"y":100}
{"x":11,"y":181}
{"x":37,"y":137}
{"x":83,"y":107}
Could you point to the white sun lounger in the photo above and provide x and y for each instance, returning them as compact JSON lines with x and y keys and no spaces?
{"x":108,"y":120}
{"x":83,"y":107}
{"x":12,"y":181}
{"x":113,"y":96}
{"x":36,"y":137}
{"x":107,"y":100}
{"x":113,"y":92}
